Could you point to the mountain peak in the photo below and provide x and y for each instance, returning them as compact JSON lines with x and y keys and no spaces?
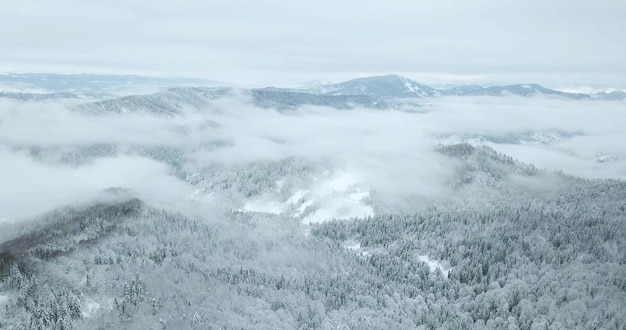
{"x":524,"y":90}
{"x":387,"y":86}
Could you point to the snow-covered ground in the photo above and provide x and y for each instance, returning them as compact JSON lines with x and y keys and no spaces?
{"x":352,"y":245}
{"x":442,"y":267}
{"x":340,"y":196}
{"x":90,"y":307}
{"x":336,"y":196}
{"x":259,"y":205}
{"x":299,"y":198}
{"x":434,"y":265}
{"x":355,"y":246}
{"x":4,"y":299}
{"x":344,"y":206}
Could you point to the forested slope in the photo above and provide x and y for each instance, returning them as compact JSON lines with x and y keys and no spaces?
{"x":519,"y":254}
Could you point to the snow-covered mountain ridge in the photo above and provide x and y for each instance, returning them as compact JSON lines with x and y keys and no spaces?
{"x":169,"y":95}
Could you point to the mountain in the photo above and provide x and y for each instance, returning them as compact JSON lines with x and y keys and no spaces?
{"x":176,"y":100}
{"x":395,"y":86}
{"x":525,"y":90}
{"x":47,"y":96}
{"x":121,"y":94}
{"x":609,"y":96}
{"x":91,"y":83}
{"x":381,"y":92}
{"x":289,"y":99}
{"x":390,"y":86}
{"x":171,"y":101}
{"x":544,"y":252}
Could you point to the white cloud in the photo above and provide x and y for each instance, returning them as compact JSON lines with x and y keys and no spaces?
{"x":30,"y":187}
{"x":389,"y":151}
{"x":275,"y":40}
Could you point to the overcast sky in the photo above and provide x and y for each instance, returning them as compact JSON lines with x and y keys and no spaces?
{"x":566,"y":42}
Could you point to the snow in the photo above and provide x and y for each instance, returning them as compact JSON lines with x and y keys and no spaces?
{"x":588,"y":90}
{"x":3,"y":299}
{"x":16,"y":87}
{"x":90,"y":308}
{"x":340,"y":198}
{"x":341,"y":208}
{"x":303,"y":207}
{"x":201,"y":195}
{"x":601,"y":157}
{"x":279,"y":185}
{"x":411,"y":86}
{"x":352,"y":245}
{"x":297,"y":196}
{"x":339,"y":183}
{"x":408,"y":85}
{"x":266,"y":205}
{"x":355,"y":246}
{"x":336,"y":196}
{"x":261,"y":206}
{"x":434,"y":265}
{"x":544,"y":138}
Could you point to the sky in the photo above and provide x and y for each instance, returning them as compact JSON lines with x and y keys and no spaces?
{"x":558,"y":42}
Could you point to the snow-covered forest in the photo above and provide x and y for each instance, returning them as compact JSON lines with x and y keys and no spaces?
{"x":225,"y":209}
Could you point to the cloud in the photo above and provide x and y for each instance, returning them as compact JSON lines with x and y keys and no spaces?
{"x":55,"y":123}
{"x":251,"y":41}
{"x":389,"y":151}
{"x":593,"y":150}
{"x":30,"y":187}
{"x":392,"y":140}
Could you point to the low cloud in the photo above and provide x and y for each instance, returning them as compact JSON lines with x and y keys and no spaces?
{"x":30,"y":187}
{"x":390,"y":151}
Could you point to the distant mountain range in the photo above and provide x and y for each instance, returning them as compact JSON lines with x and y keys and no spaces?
{"x":54,"y":83}
{"x":379,"y":92}
{"x":394,"y":86}
{"x":525,"y":90}
{"x":175,"y":100}
{"x":390,"y":86}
